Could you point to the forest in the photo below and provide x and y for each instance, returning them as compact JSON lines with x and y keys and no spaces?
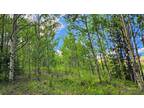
{"x":71,"y":54}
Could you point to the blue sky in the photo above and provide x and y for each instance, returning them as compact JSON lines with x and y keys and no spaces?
{"x":62,"y":33}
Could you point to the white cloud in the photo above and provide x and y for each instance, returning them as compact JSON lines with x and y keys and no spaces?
{"x":141,"y":50}
{"x":62,"y":26}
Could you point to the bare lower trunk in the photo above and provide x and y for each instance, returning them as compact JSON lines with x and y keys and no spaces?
{"x":12,"y":61}
{"x":93,"y":53}
{"x":13,"y":48}
{"x":136,"y":69}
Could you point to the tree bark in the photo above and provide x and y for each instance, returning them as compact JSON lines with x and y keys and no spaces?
{"x":138,"y":77}
{"x":93,"y":52}
{"x":13,"y":45}
{"x":2,"y":33}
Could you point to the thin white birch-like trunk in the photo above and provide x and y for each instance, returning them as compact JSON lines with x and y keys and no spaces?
{"x":13,"y":49}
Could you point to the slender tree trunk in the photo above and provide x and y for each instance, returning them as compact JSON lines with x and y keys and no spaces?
{"x":103,"y":52}
{"x":37,"y":32}
{"x":29,"y":61}
{"x":104,"y":58}
{"x":13,"y":45}
{"x":138,"y":77}
{"x":2,"y":33}
{"x":2,"y":43}
{"x":93,"y":52}
{"x":136,"y":49}
{"x":138,"y":58}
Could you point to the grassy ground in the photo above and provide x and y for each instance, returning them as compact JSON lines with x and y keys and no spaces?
{"x":68,"y":84}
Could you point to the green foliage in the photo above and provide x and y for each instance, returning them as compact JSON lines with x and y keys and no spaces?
{"x":99,"y":54}
{"x":69,"y":85}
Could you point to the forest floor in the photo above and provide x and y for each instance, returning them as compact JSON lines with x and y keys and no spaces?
{"x":68,"y":84}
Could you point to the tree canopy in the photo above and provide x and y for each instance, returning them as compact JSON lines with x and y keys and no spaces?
{"x":96,"y":48}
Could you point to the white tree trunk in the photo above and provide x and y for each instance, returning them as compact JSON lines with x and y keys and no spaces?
{"x":13,"y":49}
{"x":12,"y":61}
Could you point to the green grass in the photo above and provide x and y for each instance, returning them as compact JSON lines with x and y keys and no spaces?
{"x":68,"y":84}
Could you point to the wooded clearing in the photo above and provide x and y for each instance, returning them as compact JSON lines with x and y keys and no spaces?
{"x":71,"y":54}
